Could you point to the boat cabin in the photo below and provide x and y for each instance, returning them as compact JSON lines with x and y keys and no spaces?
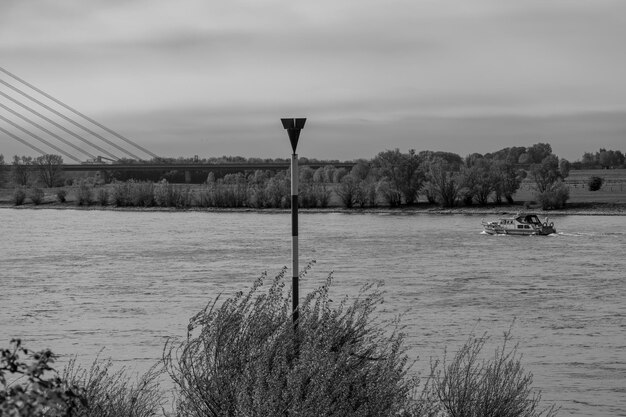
{"x":529,"y":219}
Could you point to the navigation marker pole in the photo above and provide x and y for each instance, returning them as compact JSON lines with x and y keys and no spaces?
{"x":293,"y":127}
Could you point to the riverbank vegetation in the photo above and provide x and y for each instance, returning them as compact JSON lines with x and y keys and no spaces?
{"x":533,"y":176}
{"x":243,"y":356}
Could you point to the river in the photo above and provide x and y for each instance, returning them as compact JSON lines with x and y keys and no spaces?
{"x":77,"y":281}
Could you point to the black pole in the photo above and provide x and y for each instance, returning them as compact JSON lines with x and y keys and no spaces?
{"x":294,"y":238}
{"x":293,"y":127}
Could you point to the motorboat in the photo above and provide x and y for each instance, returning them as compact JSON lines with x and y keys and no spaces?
{"x":519,"y":224}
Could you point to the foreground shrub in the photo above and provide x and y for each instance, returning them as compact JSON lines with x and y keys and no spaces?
{"x":469,"y":386}
{"x":248,"y":359}
{"x":19,"y":196}
{"x":113,"y":393}
{"x":595,"y":183}
{"x":39,"y":391}
{"x":36,"y":195}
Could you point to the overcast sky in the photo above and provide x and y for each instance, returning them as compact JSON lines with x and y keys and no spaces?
{"x":211,"y":78}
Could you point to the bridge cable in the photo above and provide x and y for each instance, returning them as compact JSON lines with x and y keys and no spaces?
{"x":54,"y":135}
{"x":59,"y":102}
{"x":66,"y":130}
{"x":40,"y":139}
{"x":17,"y":138}
{"x":75,"y":123}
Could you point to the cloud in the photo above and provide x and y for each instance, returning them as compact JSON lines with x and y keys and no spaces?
{"x":199,"y":64}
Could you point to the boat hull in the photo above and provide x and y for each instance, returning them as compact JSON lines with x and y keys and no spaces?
{"x":516,"y":232}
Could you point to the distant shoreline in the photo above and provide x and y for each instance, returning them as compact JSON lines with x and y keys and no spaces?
{"x":573,"y":209}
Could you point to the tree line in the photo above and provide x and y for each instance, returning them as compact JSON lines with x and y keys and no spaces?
{"x":392,"y":178}
{"x":601,"y":159}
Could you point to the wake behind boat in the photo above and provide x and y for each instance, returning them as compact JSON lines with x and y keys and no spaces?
{"x":520,"y":224}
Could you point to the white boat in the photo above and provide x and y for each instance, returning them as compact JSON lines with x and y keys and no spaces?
{"x":520,"y":224}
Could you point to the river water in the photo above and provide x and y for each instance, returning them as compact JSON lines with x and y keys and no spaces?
{"x":77,"y":281}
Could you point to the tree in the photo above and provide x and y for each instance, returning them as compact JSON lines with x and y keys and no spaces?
{"x":329,"y":173}
{"x":338,"y":174}
{"x":610,"y":158}
{"x":50,"y":169}
{"x":620,"y":158}
{"x":348,"y":190}
{"x":546,"y":173}
{"x":552,"y":193}
{"x":485,"y":180}
{"x":306,"y":174}
{"x":508,"y":179}
{"x":404,"y":172}
{"x":388,"y":192}
{"x":479,"y":180}
{"x":361,"y":169}
{"x":444,"y":183}
{"x":554,"y":197}
{"x":1,"y":170}
{"x":588,"y":160}
{"x":452,"y":160}
{"x":469,"y":183}
{"x":564,"y":167}
{"x":604,"y":158}
{"x":510,"y":155}
{"x":20,"y":172}
{"x":366,"y":193}
{"x":319,"y":176}
{"x":539,"y":151}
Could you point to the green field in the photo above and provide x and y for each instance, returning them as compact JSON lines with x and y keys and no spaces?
{"x":613,"y":190}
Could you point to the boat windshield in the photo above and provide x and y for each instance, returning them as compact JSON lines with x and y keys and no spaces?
{"x":532,"y":219}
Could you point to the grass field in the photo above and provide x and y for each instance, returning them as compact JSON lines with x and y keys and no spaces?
{"x":613,"y":190}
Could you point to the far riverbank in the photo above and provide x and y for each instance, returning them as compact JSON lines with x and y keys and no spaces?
{"x":572,"y":209}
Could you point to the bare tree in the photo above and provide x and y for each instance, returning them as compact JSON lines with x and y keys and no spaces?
{"x":20,"y":172}
{"x":50,"y":169}
{"x":1,"y":169}
{"x":444,"y":183}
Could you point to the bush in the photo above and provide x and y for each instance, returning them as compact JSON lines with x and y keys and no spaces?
{"x":142,"y":194}
{"x":84,"y":194}
{"x":122,"y":194}
{"x":473,"y":387}
{"x":61,"y":195}
{"x":19,"y":196}
{"x":595,"y":183}
{"x":102,"y":195}
{"x":248,"y":359}
{"x":40,"y":391}
{"x":96,"y":392}
{"x":554,"y":197}
{"x":112,"y":393}
{"x":165,"y":194}
{"x":36,"y":195}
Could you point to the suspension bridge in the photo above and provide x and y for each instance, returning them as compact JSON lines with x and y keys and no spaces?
{"x":47,"y":125}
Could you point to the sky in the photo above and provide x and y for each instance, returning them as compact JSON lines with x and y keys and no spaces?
{"x":212,"y":78}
